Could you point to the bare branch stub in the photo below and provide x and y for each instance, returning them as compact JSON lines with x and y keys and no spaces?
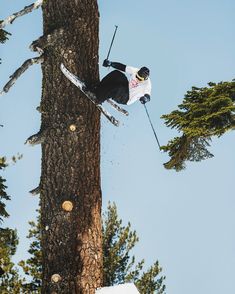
{"x":35,"y":191}
{"x":58,"y":129}
{"x":38,"y":138}
{"x":47,"y":40}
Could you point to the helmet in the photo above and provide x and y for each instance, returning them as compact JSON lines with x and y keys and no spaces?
{"x":143,"y":73}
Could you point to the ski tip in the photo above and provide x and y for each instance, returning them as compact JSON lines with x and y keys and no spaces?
{"x":126,"y":113}
{"x":116,"y":123}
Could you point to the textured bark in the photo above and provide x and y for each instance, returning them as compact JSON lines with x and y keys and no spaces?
{"x":71,"y":241}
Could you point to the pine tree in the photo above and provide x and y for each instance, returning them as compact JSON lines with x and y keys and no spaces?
{"x":119,"y":265}
{"x":9,"y":277}
{"x":10,"y":281}
{"x":204,"y":113}
{"x":32,"y":267}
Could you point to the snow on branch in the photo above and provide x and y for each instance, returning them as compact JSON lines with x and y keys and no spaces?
{"x":20,"y":71}
{"x":27,"y":9}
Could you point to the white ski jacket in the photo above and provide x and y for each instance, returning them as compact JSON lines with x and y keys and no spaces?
{"x":137,"y":89}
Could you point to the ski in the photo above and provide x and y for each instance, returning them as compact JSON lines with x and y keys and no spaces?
{"x":117,"y":107}
{"x":91,"y":96}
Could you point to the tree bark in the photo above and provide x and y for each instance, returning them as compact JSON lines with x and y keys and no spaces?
{"x":71,"y":235}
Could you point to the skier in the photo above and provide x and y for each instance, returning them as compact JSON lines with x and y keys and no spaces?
{"x":116,"y":86}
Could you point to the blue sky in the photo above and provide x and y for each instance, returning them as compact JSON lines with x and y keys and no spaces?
{"x":186,"y":219}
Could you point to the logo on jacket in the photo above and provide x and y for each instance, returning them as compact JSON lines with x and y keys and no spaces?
{"x":134,"y":83}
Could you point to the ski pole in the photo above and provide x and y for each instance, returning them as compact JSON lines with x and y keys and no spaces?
{"x":152,"y":127}
{"x":112,"y":41}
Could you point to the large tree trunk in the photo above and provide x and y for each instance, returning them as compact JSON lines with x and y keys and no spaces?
{"x":71,"y":240}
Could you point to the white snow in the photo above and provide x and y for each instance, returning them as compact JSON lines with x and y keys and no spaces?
{"x":119,"y":289}
{"x":38,"y":3}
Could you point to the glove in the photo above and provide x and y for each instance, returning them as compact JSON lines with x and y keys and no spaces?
{"x":144,"y":99}
{"x":107,"y":63}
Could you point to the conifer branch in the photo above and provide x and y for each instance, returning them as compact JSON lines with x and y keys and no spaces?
{"x":20,"y":71}
{"x":204,"y":113}
{"x":27,"y":9}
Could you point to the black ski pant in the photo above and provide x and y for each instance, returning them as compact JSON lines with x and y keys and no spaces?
{"x":115,"y":86}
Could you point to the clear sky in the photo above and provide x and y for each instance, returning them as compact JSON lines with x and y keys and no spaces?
{"x":186,"y":219}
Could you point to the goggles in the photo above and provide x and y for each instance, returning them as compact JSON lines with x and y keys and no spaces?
{"x":139,"y":77}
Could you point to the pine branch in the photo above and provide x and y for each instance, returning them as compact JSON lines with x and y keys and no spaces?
{"x":20,"y":71}
{"x":3,"y":35}
{"x":204,"y":113}
{"x":27,"y":9}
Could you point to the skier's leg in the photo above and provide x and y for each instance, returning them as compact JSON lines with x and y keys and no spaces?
{"x":121,"y":93}
{"x":110,"y":85}
{"x":106,"y":86}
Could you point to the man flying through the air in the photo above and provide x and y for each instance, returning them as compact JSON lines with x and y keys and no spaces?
{"x":116,"y":86}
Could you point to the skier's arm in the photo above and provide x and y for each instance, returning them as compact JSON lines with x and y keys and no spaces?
{"x":116,"y":65}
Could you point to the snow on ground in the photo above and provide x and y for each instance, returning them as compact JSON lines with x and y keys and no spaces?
{"x":119,"y":289}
